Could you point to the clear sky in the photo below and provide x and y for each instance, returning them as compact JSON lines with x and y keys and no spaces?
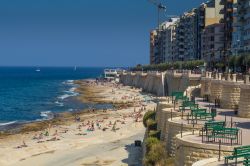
{"x":79,"y":32}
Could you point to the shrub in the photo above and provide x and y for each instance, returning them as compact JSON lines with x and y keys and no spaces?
{"x":148,"y":115}
{"x":155,"y":134}
{"x":151,"y":124}
{"x":149,"y":142}
{"x":156,"y":156}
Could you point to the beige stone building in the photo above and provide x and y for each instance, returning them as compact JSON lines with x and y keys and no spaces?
{"x":213,"y":43}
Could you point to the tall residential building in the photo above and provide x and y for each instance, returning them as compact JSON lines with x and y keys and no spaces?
{"x":237,"y":37}
{"x":170,"y":42}
{"x":186,"y":37}
{"x":241,"y":40}
{"x":207,"y":14}
{"x":153,"y":35}
{"x":161,"y":41}
{"x":228,"y":20}
{"x":213,"y":43}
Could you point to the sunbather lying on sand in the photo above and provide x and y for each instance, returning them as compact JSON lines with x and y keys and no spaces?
{"x":22,"y":146}
{"x":53,"y":139}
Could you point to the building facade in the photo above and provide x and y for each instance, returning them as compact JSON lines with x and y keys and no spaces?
{"x":153,"y":53}
{"x":207,"y":14}
{"x":241,"y":33}
{"x":213,"y":43}
{"x":161,"y":42}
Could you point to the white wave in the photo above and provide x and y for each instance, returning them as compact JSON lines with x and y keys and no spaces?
{"x":59,"y":104}
{"x":72,"y":89}
{"x":7,"y":123}
{"x":46,"y":114}
{"x":69,"y":82}
{"x":64,"y":96}
{"x":68,"y":94}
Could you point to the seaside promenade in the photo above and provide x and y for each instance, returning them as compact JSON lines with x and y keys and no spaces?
{"x":185,"y":135}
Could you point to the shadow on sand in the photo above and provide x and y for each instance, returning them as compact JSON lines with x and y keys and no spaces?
{"x":134,"y":155}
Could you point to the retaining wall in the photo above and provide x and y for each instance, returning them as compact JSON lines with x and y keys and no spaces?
{"x":244,"y":103}
{"x":174,"y":128}
{"x":230,"y":96}
{"x":189,"y":151}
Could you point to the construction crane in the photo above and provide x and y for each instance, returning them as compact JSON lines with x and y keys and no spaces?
{"x":160,"y":7}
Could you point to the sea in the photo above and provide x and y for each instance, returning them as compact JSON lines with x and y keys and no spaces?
{"x":30,"y":94}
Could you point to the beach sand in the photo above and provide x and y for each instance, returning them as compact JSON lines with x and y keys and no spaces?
{"x":69,"y":142}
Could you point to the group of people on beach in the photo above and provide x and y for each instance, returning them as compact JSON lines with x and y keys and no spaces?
{"x":103,"y":123}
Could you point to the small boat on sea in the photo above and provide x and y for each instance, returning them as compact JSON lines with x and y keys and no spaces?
{"x":38,"y":70}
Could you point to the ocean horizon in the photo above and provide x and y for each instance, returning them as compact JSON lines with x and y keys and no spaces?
{"x":32,"y":94}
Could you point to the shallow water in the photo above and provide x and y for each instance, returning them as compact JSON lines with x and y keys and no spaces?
{"x":29,"y":95}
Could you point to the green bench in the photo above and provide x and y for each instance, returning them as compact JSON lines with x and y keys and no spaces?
{"x":239,"y":152}
{"x":201,"y":113}
{"x":224,"y":133}
{"x":189,"y":105}
{"x":209,"y":125}
{"x":246,"y":161}
{"x":178,"y":96}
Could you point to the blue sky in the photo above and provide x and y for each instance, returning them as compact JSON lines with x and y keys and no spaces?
{"x":79,"y":32}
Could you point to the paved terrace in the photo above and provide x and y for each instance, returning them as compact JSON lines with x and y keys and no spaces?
{"x":222,"y":114}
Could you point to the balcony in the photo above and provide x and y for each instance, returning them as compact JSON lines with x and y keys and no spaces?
{"x":247,"y":16}
{"x":222,"y":11}
{"x":222,"y":2}
{"x":230,"y":10}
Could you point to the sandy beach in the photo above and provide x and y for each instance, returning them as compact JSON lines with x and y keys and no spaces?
{"x":89,"y":137}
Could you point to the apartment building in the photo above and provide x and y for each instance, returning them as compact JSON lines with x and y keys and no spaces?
{"x":228,"y":19}
{"x":213,"y":43}
{"x":207,"y":14}
{"x":241,"y":34}
{"x":153,"y":53}
{"x":161,"y":42}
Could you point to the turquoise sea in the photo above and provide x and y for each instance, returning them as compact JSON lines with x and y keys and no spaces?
{"x":27,"y":94}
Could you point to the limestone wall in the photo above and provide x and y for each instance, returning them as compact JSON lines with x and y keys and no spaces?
{"x":174,"y":128}
{"x":162,"y":116}
{"x":206,"y":84}
{"x":189,"y":151}
{"x":180,"y":81}
{"x":216,"y":90}
{"x":160,"y":83}
{"x":230,"y":96}
{"x":244,"y":103}
{"x":152,"y":82}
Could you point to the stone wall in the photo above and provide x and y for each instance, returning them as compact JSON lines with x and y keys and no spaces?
{"x":152,"y":82}
{"x":244,"y":104}
{"x":189,"y":151}
{"x":215,"y":89}
{"x":230,"y":96}
{"x":205,"y":84}
{"x":162,"y":117}
{"x":174,"y":127}
{"x":160,"y":83}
